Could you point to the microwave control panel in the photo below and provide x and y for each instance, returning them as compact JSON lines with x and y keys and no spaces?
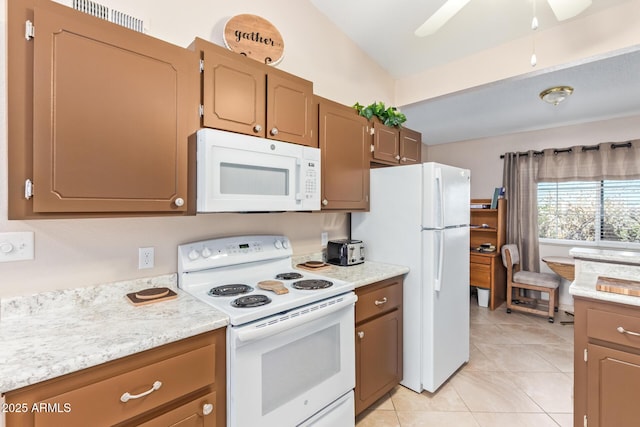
{"x":310,"y":178}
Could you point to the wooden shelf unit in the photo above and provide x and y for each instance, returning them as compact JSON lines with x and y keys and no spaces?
{"x":485,"y":268}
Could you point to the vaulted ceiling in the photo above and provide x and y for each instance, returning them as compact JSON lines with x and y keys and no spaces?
{"x":606,"y":86}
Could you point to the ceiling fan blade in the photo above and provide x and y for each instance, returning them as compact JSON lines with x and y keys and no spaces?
{"x":564,"y":9}
{"x":442,"y":15}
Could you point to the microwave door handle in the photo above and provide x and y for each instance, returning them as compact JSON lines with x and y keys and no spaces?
{"x":298,"y":180}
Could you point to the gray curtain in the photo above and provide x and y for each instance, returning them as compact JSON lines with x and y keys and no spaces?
{"x":521,"y":192}
{"x":615,"y":161}
{"x":523,"y":171}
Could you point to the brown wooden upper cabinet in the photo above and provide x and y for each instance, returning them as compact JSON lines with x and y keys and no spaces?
{"x":242,"y":95}
{"x":393,"y":146}
{"x":344,"y":144}
{"x":99,"y":116}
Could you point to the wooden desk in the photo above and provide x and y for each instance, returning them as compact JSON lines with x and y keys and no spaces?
{"x":486,"y":271}
{"x":564,"y":267}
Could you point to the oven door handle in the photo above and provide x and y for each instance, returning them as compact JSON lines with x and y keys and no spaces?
{"x":255,"y":333}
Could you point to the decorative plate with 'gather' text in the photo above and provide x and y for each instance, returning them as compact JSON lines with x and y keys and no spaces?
{"x":255,"y":37}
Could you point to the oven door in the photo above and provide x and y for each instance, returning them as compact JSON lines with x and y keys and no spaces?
{"x":286,"y":368}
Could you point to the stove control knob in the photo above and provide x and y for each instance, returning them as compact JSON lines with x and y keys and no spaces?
{"x":285,"y":244}
{"x":206,"y":252}
{"x":278,"y":244}
{"x":194,"y":255}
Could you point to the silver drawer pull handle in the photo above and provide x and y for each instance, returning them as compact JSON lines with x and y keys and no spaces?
{"x":380,"y":302}
{"x":360,"y":334}
{"x":624,"y":331}
{"x":128,"y":396}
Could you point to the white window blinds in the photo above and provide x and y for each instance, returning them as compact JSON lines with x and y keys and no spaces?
{"x":605,"y":210}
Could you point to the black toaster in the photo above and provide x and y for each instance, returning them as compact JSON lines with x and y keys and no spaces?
{"x":345,"y":252}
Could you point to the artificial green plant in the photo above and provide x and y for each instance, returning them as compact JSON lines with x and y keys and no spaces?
{"x":389,"y":116}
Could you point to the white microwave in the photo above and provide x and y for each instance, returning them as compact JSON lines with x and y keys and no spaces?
{"x":243,"y":173}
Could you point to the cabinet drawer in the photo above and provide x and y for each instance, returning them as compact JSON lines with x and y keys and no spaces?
{"x":378,"y":301}
{"x":477,"y":259}
{"x":199,"y":412}
{"x":179,"y":375}
{"x":603,"y":325}
{"x":480,"y":275}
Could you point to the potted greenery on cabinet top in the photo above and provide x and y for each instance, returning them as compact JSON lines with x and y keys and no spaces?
{"x":389,"y":116}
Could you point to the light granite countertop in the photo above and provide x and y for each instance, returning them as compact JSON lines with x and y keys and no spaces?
{"x":51,"y":334}
{"x":55,"y":333}
{"x":360,"y":274}
{"x":592,"y":263}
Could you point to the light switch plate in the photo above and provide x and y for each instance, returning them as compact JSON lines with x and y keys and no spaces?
{"x":16,"y":246}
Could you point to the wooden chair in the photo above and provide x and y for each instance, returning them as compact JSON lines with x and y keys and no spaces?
{"x":521,"y":281}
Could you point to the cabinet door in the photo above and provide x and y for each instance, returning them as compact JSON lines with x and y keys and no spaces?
{"x":234,"y":92}
{"x":410,"y":146}
{"x":386,"y":146}
{"x":613,"y":387}
{"x":344,"y":144}
{"x":378,"y":357}
{"x":289,"y":109}
{"x":112,"y":115}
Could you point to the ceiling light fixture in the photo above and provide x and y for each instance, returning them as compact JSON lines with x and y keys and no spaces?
{"x":555,"y":95}
{"x":564,"y":9}
{"x":534,"y":27}
{"x":442,"y":15}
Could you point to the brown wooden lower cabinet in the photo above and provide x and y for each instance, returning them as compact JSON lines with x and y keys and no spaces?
{"x":606,"y":364}
{"x":178,"y":384}
{"x":486,"y":271}
{"x":378,"y":340}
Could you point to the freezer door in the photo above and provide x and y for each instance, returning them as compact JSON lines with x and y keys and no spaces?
{"x":446,"y":196}
{"x":445,"y":342}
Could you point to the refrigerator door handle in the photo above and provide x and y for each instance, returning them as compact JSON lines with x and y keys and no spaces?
{"x":440,"y":260}
{"x":439,"y":198}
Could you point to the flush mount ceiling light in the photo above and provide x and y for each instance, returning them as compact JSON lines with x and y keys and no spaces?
{"x":555,"y":95}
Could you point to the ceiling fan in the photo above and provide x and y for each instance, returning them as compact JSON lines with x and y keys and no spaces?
{"x":562,"y":9}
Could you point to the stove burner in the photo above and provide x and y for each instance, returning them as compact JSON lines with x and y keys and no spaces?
{"x":289,"y":276}
{"x":249,"y":301}
{"x":230,"y":290}
{"x":312,"y":284}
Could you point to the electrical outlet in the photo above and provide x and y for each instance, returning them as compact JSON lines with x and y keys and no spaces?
{"x":145,"y":258}
{"x":324,"y":238}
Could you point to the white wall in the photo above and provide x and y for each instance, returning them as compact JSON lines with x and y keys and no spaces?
{"x":482,"y":156}
{"x":81,"y":252}
{"x":72,"y":253}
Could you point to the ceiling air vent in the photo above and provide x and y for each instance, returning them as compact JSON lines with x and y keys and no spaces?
{"x":100,"y":11}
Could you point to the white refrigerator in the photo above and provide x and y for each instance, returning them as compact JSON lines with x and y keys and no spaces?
{"x":419,"y":217}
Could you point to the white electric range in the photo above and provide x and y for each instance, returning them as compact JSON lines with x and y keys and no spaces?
{"x":291,"y":354}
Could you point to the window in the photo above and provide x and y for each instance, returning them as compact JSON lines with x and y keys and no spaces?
{"x":601,"y":211}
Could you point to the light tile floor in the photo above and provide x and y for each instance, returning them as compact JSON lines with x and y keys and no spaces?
{"x":520,"y":374}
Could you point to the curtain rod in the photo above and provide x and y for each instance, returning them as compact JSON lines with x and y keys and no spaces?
{"x":569,"y":150}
